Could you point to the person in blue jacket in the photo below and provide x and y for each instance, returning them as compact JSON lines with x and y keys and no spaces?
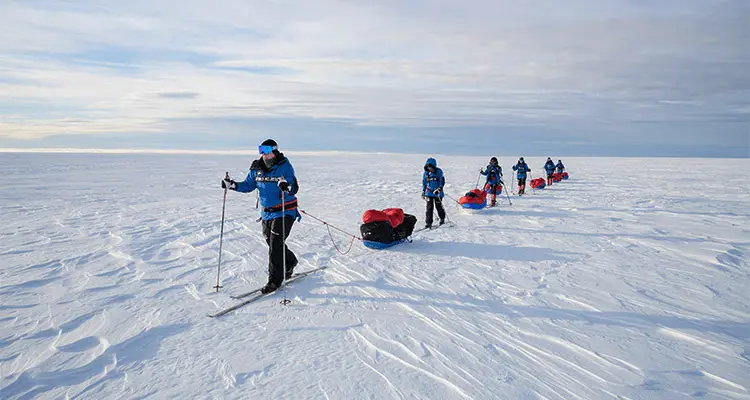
{"x":560,"y":167}
{"x":522,"y":169}
{"x":549,"y":166}
{"x":494,"y":174}
{"x":432,"y":191}
{"x":272,"y":174}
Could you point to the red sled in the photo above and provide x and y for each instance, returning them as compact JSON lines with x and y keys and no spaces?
{"x":382,"y":229}
{"x":538,"y":183}
{"x":475,"y":199}
{"x":557,"y":177}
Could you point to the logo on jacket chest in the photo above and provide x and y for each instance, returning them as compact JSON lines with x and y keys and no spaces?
{"x":262,"y":178}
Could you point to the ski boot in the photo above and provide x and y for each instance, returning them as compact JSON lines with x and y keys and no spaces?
{"x":270,"y":287}
{"x":290,"y":270}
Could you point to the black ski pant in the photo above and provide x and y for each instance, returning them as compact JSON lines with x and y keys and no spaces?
{"x":521,"y":185}
{"x":272,"y":230}
{"x":434,"y":202}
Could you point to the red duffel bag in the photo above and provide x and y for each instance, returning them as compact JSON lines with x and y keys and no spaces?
{"x":374,"y":216}
{"x":395,"y":216}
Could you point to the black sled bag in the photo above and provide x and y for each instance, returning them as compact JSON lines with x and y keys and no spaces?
{"x":406,"y":228}
{"x":377,"y":231}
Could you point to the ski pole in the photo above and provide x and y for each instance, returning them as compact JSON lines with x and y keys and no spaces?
{"x":283,"y":244}
{"x":449,"y":220}
{"x":506,"y":193}
{"x":478,"y":179}
{"x":221,"y":235}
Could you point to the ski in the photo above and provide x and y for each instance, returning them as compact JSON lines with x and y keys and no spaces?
{"x":239,"y":296}
{"x":243,"y":295}
{"x":259,"y":295}
{"x":432,"y":228}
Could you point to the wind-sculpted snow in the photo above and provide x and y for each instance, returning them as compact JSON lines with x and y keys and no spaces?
{"x":630,"y":280}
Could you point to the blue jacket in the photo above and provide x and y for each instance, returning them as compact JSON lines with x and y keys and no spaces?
{"x":522,"y":169}
{"x":493,"y":174}
{"x":560,"y":167}
{"x":432,"y":180}
{"x":266,"y":180}
{"x":549,"y":166}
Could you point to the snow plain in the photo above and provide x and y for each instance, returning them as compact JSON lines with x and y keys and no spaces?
{"x":629,"y":281}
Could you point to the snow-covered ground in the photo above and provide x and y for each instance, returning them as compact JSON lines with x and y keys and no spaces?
{"x":630,"y":280}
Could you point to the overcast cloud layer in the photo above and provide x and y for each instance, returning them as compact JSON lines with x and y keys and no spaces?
{"x":594,"y":77}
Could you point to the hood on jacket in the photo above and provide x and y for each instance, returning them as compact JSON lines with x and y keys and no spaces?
{"x":431,"y":162}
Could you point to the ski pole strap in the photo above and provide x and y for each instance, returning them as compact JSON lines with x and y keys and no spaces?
{"x":329,"y":225}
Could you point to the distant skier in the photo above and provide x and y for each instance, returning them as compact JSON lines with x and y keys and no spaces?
{"x":560,"y":167}
{"x":494,"y":173}
{"x":432,"y":191}
{"x":273,"y":174}
{"x":549,"y":166}
{"x":522,"y":169}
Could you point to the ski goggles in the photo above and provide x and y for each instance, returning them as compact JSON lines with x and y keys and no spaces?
{"x":267,"y":149}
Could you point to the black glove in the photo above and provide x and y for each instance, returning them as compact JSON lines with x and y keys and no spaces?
{"x":284,"y":185}
{"x":436,"y":191}
{"x":424,"y":197}
{"x":228,"y":184}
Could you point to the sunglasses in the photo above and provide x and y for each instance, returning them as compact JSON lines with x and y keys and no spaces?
{"x":266,"y":149}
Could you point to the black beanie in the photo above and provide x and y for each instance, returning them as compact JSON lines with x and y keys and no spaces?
{"x":269,"y":142}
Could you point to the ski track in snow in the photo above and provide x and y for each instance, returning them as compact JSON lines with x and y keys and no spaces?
{"x":599,"y":287}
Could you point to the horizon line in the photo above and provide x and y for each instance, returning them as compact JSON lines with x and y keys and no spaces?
{"x":76,"y":150}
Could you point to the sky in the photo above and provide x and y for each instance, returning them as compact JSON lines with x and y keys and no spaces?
{"x":581,"y":77}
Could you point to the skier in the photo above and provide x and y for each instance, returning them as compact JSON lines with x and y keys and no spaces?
{"x":494,"y":173}
{"x":432,"y":191}
{"x":522,"y":169}
{"x":549,"y":166}
{"x":273,"y":175}
{"x":560,"y":167}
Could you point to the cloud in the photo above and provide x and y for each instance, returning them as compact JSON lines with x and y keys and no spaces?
{"x":178,"y":95}
{"x":121,"y":66}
